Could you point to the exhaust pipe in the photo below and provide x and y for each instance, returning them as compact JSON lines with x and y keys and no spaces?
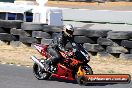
{"x":37,"y":61}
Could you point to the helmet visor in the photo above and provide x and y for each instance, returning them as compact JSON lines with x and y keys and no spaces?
{"x":69,"y":32}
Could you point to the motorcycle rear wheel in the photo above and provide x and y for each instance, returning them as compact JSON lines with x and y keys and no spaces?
{"x":81,"y":80}
{"x":39,"y":73}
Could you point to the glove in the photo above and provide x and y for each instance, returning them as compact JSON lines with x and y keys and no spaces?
{"x":74,"y":50}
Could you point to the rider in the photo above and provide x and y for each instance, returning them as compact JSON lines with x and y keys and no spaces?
{"x":58,"y":44}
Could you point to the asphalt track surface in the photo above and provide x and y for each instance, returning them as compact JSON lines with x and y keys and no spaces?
{"x":12,"y":76}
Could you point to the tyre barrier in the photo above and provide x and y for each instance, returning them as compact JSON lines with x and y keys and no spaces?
{"x":96,"y":41}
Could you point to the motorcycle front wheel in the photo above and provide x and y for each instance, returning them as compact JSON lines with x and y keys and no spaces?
{"x":81,"y":80}
{"x":39,"y":73}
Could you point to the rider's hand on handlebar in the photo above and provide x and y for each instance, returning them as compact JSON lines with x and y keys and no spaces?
{"x":74,"y":50}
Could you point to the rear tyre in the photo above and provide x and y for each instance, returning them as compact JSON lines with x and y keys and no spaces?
{"x":39,"y":73}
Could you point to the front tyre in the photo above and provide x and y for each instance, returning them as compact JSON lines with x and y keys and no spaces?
{"x":81,"y":80}
{"x":39,"y":73}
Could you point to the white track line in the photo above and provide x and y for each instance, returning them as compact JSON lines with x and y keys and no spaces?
{"x":15,"y":64}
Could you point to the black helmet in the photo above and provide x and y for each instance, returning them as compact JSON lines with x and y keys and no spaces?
{"x":68,"y":30}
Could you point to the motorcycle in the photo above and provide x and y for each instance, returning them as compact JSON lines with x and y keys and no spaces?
{"x":73,"y":65}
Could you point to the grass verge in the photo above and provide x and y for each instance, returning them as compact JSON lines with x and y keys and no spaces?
{"x":105,"y":65}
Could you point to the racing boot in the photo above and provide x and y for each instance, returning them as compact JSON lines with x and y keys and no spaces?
{"x":47,"y":65}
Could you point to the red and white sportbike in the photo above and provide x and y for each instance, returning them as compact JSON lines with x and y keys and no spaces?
{"x":73,"y":65}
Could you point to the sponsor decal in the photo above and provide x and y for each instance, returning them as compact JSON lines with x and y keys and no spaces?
{"x":108,"y":78}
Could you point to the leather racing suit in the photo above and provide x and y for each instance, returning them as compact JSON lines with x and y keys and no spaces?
{"x":58,"y":44}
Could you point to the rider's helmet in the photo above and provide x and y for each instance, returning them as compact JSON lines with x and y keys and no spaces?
{"x":68,"y":30}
